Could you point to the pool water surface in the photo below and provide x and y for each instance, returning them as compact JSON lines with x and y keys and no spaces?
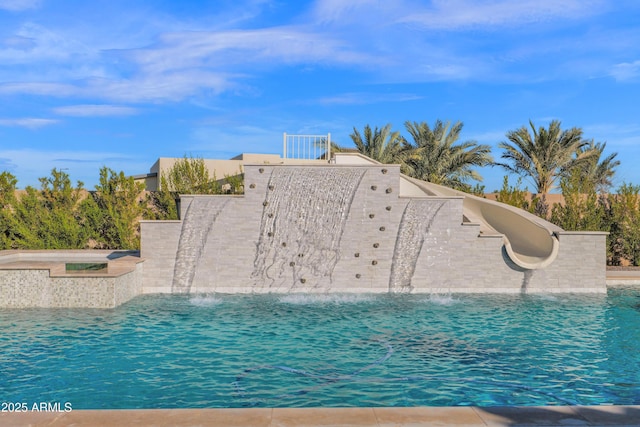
{"x":170,"y":351}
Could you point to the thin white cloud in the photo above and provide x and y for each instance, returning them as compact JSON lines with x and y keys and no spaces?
{"x":268,"y":47}
{"x":29,"y":123}
{"x":626,"y":71}
{"x":41,"y":43}
{"x":93,"y":110}
{"x":170,"y":61}
{"x":169,"y":87}
{"x":40,"y":88}
{"x":339,"y":10}
{"x":17,"y":42}
{"x":463,"y":14}
{"x":184,"y":64}
{"x":19,"y":5}
{"x":159,"y":88}
{"x":363,"y":98}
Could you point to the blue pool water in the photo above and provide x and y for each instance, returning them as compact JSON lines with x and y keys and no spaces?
{"x":341,"y":350}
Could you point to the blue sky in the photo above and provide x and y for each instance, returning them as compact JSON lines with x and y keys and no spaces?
{"x":119,"y":83}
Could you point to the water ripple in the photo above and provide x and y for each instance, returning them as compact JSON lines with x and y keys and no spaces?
{"x":327,"y":350}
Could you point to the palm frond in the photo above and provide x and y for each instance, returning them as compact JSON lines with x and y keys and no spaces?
{"x":435,"y":156}
{"x":543,"y":154}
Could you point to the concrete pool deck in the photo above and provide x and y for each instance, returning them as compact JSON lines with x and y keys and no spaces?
{"x":342,"y":417}
{"x":629,"y":276}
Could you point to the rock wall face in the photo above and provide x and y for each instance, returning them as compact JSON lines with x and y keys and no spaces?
{"x":316,"y":229}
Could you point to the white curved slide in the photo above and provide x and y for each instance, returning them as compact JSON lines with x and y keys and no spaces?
{"x":530,"y":241}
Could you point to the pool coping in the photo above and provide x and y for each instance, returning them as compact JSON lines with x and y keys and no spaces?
{"x":118,"y":262}
{"x":379,"y":417}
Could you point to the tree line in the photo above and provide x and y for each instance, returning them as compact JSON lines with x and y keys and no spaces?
{"x":434,"y":154}
{"x":60,"y":215}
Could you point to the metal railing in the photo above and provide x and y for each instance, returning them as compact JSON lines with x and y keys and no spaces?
{"x":308,"y":147}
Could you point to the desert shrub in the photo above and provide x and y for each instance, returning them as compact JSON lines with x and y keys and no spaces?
{"x":47,"y":218}
{"x":113,"y":211}
{"x":583,"y":210}
{"x":623,"y":217}
{"x":513,"y":195}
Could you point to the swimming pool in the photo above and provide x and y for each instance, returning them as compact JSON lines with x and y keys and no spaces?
{"x":168,"y":351}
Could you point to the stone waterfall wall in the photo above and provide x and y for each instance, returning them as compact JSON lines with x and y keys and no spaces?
{"x":301,"y":228}
{"x":345,"y":229}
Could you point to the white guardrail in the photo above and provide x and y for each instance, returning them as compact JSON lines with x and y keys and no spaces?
{"x":309,"y":147}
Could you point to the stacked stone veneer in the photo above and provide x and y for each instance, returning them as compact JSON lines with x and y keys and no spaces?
{"x":38,"y":279}
{"x":239,"y":253}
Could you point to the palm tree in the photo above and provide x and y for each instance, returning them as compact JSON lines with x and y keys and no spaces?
{"x":599,"y":172}
{"x":380,"y":144}
{"x":544,"y":155}
{"x":434,"y":155}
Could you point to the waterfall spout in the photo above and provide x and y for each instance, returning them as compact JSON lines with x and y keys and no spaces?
{"x":197,"y":223}
{"x":304,"y":215}
{"x":414,"y":226}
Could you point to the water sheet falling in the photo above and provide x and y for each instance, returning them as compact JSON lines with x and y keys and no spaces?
{"x":302,"y":223}
{"x":415,"y":224}
{"x":198,"y":221}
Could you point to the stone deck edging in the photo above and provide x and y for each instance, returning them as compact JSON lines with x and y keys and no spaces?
{"x":343,"y":417}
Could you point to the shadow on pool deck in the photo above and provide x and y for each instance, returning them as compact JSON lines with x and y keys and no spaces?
{"x":380,"y":417}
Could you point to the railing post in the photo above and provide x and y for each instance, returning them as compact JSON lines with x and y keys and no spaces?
{"x":284,"y":149}
{"x":328,"y":147}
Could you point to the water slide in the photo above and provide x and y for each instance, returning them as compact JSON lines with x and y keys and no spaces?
{"x":529,"y":241}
